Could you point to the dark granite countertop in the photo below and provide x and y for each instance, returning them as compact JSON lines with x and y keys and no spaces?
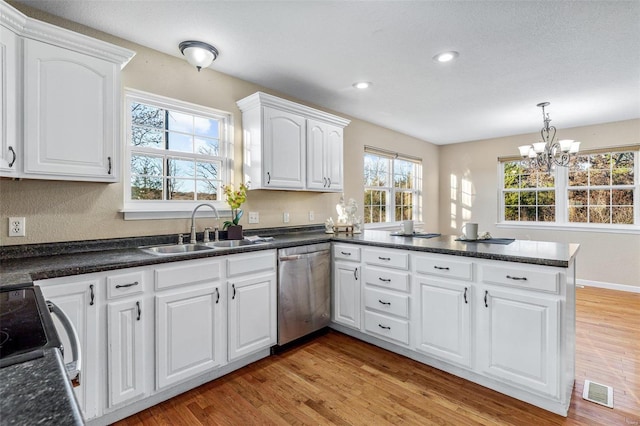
{"x":38,"y":392}
{"x":24,"y":264}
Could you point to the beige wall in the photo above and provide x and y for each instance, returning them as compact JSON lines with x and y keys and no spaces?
{"x":603,"y":257}
{"x":73,"y":211}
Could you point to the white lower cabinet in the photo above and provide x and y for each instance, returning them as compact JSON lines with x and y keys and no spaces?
{"x":346,"y":294}
{"x":443,"y":320}
{"x":518,"y":338}
{"x":78,"y":298}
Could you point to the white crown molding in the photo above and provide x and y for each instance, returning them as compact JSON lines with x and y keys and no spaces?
{"x":263,"y":99}
{"x":30,"y":28}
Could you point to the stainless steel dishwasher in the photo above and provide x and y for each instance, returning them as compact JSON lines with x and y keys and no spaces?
{"x":304,"y":290}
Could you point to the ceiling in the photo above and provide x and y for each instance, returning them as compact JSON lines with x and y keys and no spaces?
{"x":582,"y":56}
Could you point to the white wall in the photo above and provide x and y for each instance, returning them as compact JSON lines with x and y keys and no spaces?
{"x":604,"y":256}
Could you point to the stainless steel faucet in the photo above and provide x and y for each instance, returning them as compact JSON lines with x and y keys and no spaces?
{"x":193,"y":219}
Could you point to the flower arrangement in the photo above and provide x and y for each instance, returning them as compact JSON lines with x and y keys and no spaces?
{"x":235,"y":200}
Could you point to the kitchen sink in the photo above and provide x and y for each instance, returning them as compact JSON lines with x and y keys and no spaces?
{"x":172,"y":249}
{"x":229,"y":243}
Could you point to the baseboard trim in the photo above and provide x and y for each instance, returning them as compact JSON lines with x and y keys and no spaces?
{"x":610,"y":286}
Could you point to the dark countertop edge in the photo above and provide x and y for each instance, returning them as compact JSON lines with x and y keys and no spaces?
{"x":132,"y":257}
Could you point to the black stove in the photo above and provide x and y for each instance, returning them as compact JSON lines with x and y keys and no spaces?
{"x":26,"y":327}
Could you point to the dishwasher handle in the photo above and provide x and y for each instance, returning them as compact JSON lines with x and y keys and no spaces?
{"x":75,"y":366}
{"x":284,"y":258}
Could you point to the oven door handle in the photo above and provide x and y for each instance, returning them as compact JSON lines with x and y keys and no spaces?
{"x":75,"y":366}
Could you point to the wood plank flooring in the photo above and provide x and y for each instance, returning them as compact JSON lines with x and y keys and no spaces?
{"x":336,"y":379}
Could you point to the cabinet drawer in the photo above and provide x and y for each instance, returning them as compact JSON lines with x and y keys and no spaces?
{"x":387,"y":327}
{"x":343,"y":252}
{"x":187,"y":272}
{"x":241,"y":264}
{"x":527,"y":278}
{"x":387,"y":302}
{"x":444,"y":267}
{"x":389,"y":258}
{"x":387,"y":278}
{"x":124,"y":284}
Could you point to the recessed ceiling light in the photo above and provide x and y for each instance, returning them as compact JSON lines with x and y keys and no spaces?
{"x":362,"y":84}
{"x":446,"y":56}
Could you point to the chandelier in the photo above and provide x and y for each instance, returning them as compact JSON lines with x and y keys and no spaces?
{"x":548,"y":153}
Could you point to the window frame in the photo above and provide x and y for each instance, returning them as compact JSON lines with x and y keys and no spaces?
{"x":562,"y":199}
{"x":174,"y":209}
{"x":392,"y":191}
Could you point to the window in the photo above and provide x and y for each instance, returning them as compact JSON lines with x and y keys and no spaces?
{"x":178,"y":154}
{"x":599,"y":187}
{"x":392,"y":186}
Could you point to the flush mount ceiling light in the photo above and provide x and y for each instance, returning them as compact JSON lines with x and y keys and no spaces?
{"x":548,"y":153}
{"x":198,"y":53}
{"x":446,"y":56}
{"x":362,"y":84}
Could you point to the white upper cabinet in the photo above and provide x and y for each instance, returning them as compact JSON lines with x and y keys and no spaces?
{"x":66,"y":100}
{"x":289,"y":146}
{"x":324,"y":156}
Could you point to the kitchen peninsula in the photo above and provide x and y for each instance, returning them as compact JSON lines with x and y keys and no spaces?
{"x":499,"y":315}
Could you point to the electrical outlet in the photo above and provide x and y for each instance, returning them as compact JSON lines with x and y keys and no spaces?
{"x":16,"y":227}
{"x":254,"y":217}
{"x":285,"y":217}
{"x":312,"y":216}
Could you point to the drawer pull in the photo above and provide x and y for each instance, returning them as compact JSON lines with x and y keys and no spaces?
{"x":127,"y":285}
{"x":465,"y":295}
{"x":92,"y":295}
{"x":345,"y":253}
{"x":355,"y":274}
{"x":233,"y":286}
{"x":384,"y":258}
{"x":384,"y":303}
{"x":217,"y":296}
{"x":139,"y":310}
{"x":385,"y":280}
{"x":384,"y":327}
{"x":486,"y":294}
{"x":443,"y":268}
{"x":517,"y":278}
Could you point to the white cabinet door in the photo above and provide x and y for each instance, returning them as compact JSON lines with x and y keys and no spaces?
{"x":443,"y":320}
{"x":189,"y":333}
{"x":9,"y":103}
{"x":283,"y":149}
{"x":252,"y":318}
{"x":78,"y":301}
{"x":346,"y":294}
{"x":518,"y":338}
{"x":324,"y":156}
{"x":126,"y":349}
{"x":71,"y":114}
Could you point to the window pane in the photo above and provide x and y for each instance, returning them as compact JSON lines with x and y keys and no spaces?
{"x":180,"y":168}
{"x":622,"y":176}
{"x":510,"y":198}
{"x":146,"y":188}
{"x":599,"y":214}
{"x":600,"y":161}
{"x":545,"y":180}
{"x":180,"y":142}
{"x":208,"y":170}
{"x":600,"y":177}
{"x":511,"y":213}
{"x":579,"y":178}
{"x":403,"y":174}
{"x":207,"y":127}
{"x":179,"y":122}
{"x":181,"y":189}
{"x":376,"y":170}
{"x":546,"y":198}
{"x":622,"y":197}
{"x":546,"y":214}
{"x":528,"y":198}
{"x":144,"y":136}
{"x":528,"y":213}
{"x":146,"y":165}
{"x":528,"y":181}
{"x":207,"y":146}
{"x":578,"y":197}
{"x":512,"y":171}
{"x":207,"y":190}
{"x":600,"y":197}
{"x":622,"y":215}
{"x":578,"y":214}
{"x":145,"y":115}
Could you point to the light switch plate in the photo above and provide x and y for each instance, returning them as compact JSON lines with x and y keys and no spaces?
{"x":312,"y":216}
{"x":285,"y":217}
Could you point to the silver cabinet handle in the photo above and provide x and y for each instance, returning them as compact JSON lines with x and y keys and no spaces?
{"x":443,"y":268}
{"x":384,"y":258}
{"x":268,"y":178}
{"x":329,"y":185}
{"x":233,"y":286}
{"x":385,"y":280}
{"x":384,"y":327}
{"x":486,"y":294}
{"x":384,"y":303}
{"x":355,"y":273}
{"x":324,"y":182}
{"x":13,"y":160}
{"x":139,"y":310}
{"x":217,"y":295}
{"x":109,"y":160}
{"x":465,"y":295}
{"x":127,"y":285}
{"x":345,"y":253}
{"x":92,"y":295}
{"x":517,"y":278}
{"x":75,"y":366}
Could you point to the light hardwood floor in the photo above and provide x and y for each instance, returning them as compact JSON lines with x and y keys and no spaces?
{"x":336,"y":379}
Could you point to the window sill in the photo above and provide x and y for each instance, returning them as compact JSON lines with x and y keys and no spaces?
{"x":577,"y":227}
{"x":173,"y":212}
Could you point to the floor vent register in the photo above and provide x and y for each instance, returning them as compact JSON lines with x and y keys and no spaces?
{"x":600,"y":394}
